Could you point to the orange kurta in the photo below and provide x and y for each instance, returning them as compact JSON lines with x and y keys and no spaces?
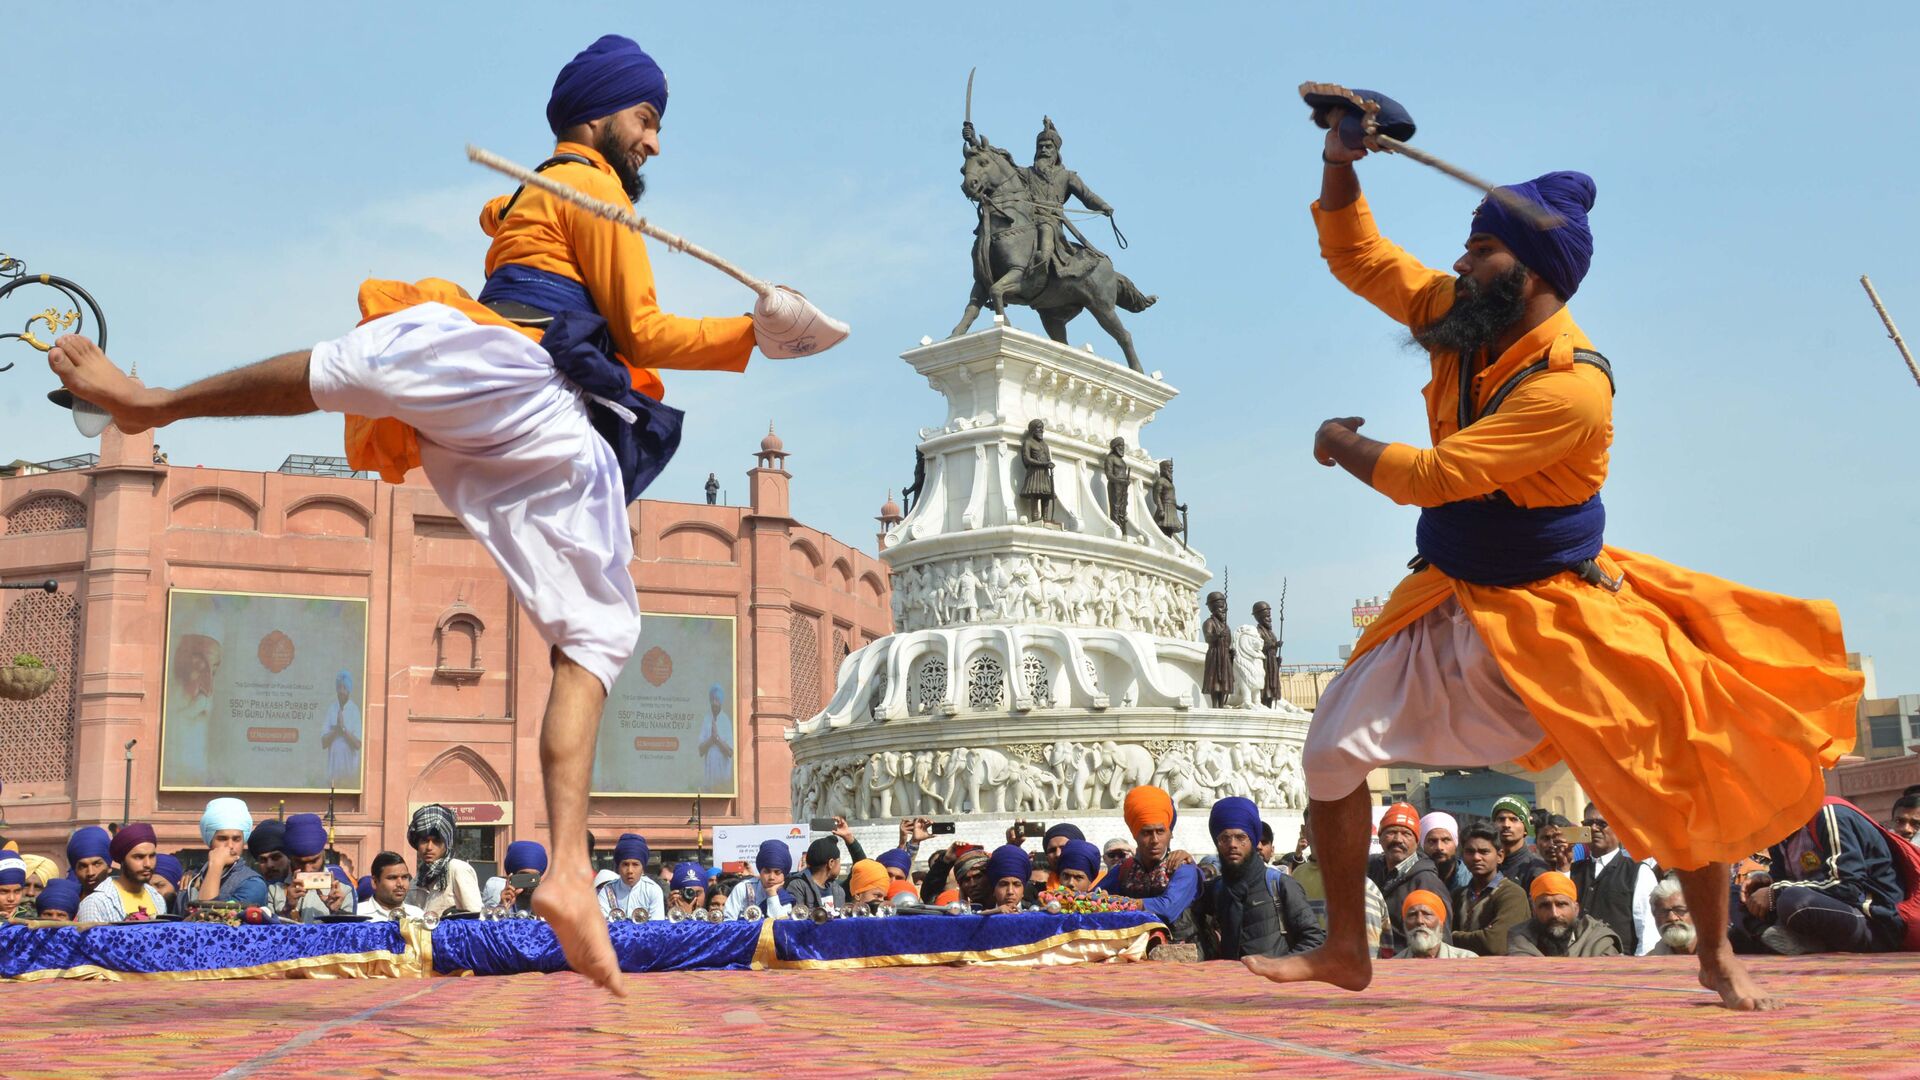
{"x":1696,"y":712}
{"x":610,"y":260}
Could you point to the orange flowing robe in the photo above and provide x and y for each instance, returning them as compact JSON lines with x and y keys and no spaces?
{"x":610,"y":260}
{"x":1696,"y":712}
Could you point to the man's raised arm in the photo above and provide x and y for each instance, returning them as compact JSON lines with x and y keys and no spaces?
{"x":1377,"y":270}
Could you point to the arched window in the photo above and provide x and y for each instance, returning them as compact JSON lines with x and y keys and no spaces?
{"x":1038,"y":680}
{"x":930,"y":685}
{"x":51,"y":511}
{"x":986,"y":683}
{"x":457,"y":645}
{"x":804,"y":664}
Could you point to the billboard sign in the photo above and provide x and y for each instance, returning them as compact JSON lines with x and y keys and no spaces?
{"x":670,"y":728}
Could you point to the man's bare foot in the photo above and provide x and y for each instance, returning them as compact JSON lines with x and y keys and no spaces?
{"x":1347,"y":970}
{"x":86,"y":371}
{"x":568,"y":905}
{"x":1728,"y":977}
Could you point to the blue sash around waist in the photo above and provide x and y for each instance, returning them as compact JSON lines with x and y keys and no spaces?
{"x":582,"y":350}
{"x":1494,"y":542}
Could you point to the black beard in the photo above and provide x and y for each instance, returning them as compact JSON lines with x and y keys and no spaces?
{"x":631,"y":181}
{"x":1479,"y":315}
{"x":1555,"y":939}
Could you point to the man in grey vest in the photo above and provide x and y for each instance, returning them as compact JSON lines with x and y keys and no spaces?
{"x":1615,"y":889}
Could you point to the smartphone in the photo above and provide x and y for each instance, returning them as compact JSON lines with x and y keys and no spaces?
{"x":941,"y":828}
{"x":821,"y":824}
{"x":524,"y":881}
{"x":316,"y":881}
{"x":1579,"y":834}
{"x":1033,"y":828}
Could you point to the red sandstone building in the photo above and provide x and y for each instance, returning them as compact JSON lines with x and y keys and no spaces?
{"x":455,"y":677}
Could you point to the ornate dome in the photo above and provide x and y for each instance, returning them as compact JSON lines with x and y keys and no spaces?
{"x":771,"y":444}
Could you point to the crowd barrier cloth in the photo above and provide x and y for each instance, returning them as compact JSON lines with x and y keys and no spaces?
{"x":188,"y":951}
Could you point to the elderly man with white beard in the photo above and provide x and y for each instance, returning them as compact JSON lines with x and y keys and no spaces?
{"x":1424,"y":914}
{"x":1677,"y":936}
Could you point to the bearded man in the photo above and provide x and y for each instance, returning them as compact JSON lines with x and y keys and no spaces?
{"x":1424,"y":915}
{"x":1558,"y":928}
{"x":535,"y":412}
{"x":1521,"y":636}
{"x":1673,"y":920}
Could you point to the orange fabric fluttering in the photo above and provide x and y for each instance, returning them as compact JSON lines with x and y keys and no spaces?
{"x":1695,"y":711}
{"x":1147,"y":805}
{"x":1553,"y":882}
{"x":1424,"y":896}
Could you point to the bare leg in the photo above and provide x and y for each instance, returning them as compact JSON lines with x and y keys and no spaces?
{"x":565,"y":897}
{"x":1720,"y":971}
{"x":275,"y":387}
{"x":1340,"y":831}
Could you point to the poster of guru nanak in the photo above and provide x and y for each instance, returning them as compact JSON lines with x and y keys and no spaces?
{"x":263,"y":692}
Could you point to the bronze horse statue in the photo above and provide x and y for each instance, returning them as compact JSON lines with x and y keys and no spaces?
{"x":1006,"y":247}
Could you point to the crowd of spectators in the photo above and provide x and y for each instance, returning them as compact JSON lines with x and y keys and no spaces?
{"x":1520,"y":882}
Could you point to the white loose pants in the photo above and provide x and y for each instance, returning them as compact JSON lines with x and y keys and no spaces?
{"x":1431,"y":694}
{"x":507,"y":445}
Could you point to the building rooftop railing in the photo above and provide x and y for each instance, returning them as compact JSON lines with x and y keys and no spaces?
{"x":320,"y":465}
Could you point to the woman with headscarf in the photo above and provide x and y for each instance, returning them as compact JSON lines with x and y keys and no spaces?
{"x":443,"y":883}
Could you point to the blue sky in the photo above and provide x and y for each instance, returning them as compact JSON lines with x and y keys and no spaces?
{"x":222,"y":177}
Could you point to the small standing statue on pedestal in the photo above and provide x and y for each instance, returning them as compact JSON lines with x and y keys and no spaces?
{"x":1038,"y":458}
{"x":1269,"y":653}
{"x":713,"y":489}
{"x":1168,"y":511}
{"x":1119,"y":481}
{"x":1217,"y":680}
{"x":912,"y":493}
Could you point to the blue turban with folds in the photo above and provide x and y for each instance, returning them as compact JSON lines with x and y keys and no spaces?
{"x":225,"y":812}
{"x":306,"y":836}
{"x":363,"y":890}
{"x":88,"y":842}
{"x":688,"y":875}
{"x":529,"y":855}
{"x":1562,"y":254}
{"x":1009,"y":861}
{"x":13,"y":869}
{"x":166,"y":866}
{"x":1071,"y":832}
{"x":774,"y":855}
{"x":630,"y":846}
{"x":611,"y":74}
{"x":61,"y":894}
{"x":1234,"y":812}
{"x":896,"y":858}
{"x":1081,"y":855}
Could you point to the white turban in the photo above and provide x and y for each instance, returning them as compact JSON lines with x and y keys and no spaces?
{"x":1439,"y":819}
{"x":223,"y":813}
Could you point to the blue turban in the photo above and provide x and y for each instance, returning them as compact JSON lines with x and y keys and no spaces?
{"x":1234,"y":812}
{"x":1009,"y":860}
{"x":526,"y":855}
{"x":363,"y":891}
{"x":1071,"y":832}
{"x":266,"y":837}
{"x":630,"y":846}
{"x":1562,"y":254}
{"x":306,"y":836}
{"x":897,"y":858}
{"x":88,"y":842}
{"x":225,"y":812}
{"x":611,"y":74}
{"x":774,"y":855}
{"x":1081,"y":855}
{"x":13,"y":869}
{"x":345,"y":676}
{"x":61,"y":894}
{"x":688,"y":875}
{"x":166,"y":866}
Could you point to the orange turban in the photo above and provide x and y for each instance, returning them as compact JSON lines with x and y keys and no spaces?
{"x":1427,"y":897}
{"x":866,"y":876}
{"x":1553,"y":881}
{"x":1403,"y":815}
{"x":1147,"y":805}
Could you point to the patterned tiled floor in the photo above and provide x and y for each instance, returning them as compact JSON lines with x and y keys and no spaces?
{"x":1853,"y":1017}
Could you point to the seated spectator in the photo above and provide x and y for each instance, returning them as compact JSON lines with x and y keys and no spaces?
{"x":898,"y":863}
{"x":1306,"y":874}
{"x":59,"y":900}
{"x":126,"y":894}
{"x":1519,"y":862}
{"x":264,"y":844}
{"x":1550,"y":840}
{"x":1672,"y":919}
{"x":635,"y":895}
{"x":305,"y":844}
{"x":817,"y":887}
{"x":1906,"y":818}
{"x":716,"y":899}
{"x":1114,"y":850}
{"x":1423,"y":913}
{"x":1266,"y":843}
{"x":226,"y":826}
{"x":689,"y":891}
{"x":40,"y":871}
{"x":1399,"y":869}
{"x":1168,"y":890}
{"x":1078,"y":866}
{"x":1843,"y":891}
{"x":1056,"y":837}
{"x":1614,"y":888}
{"x":1440,"y":842}
{"x":1557,"y":927}
{"x":1252,"y":908}
{"x":523,"y":856}
{"x":765,"y":891}
{"x":89,"y":857}
{"x":1490,"y":905}
{"x":167,"y":873}
{"x":867,"y":882}
{"x":1009,"y":874}
{"x":391,"y":882}
{"x":966,"y":866}
{"x":13,"y":883}
{"x":441,"y":883}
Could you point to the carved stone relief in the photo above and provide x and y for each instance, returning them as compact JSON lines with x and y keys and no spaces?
{"x":1042,"y":588}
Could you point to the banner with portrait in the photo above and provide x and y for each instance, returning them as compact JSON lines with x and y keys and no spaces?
{"x":670,"y":724}
{"x":263,"y":692}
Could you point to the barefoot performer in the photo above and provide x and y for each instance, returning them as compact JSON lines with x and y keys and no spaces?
{"x":535,"y":412}
{"x":1695,"y":711}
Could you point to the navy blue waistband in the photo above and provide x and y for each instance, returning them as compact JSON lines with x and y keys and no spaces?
{"x":1494,"y":542}
{"x":543,"y":289}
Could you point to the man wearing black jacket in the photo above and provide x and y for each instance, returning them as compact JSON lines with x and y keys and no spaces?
{"x":1400,"y":869}
{"x":1251,"y":909}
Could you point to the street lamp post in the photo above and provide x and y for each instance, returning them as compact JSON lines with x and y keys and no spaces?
{"x":126,"y":798}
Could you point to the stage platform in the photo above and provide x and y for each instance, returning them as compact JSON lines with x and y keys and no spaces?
{"x":1851,"y":1016}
